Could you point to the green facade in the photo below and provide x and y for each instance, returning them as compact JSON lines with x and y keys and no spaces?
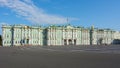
{"x":20,"y":35}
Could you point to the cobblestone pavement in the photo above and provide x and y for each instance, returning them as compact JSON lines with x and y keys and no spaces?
{"x":60,"y":56}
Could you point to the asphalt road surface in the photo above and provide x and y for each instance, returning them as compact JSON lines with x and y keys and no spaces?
{"x":60,"y":57}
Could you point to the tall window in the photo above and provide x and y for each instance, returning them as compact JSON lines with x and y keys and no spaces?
{"x":27,"y":41}
{"x":23,"y":41}
{"x":7,"y":36}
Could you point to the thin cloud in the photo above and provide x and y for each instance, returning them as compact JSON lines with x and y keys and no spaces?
{"x":32,"y":13}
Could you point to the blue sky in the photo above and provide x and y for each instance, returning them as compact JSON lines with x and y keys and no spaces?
{"x":100,"y":13}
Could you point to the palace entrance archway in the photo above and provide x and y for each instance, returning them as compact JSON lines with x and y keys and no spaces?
{"x":70,"y":42}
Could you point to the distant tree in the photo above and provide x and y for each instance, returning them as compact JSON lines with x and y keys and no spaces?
{"x":0,"y":40}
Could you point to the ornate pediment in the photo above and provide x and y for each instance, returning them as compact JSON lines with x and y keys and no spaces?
{"x":69,"y":26}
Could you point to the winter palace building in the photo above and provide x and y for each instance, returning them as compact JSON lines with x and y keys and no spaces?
{"x":20,"y":35}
